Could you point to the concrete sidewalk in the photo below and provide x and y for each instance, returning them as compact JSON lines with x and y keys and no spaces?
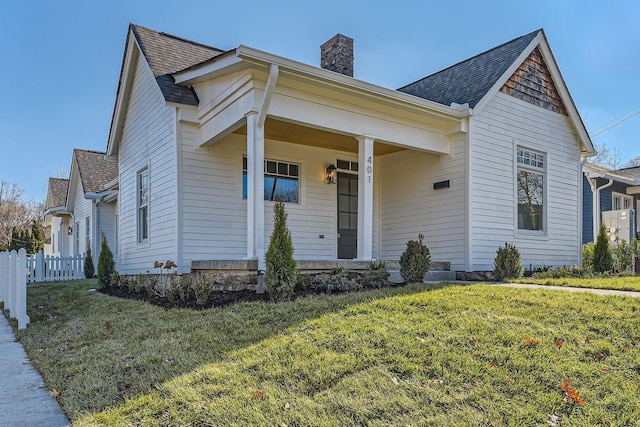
{"x":570,"y":289}
{"x":24,"y":398}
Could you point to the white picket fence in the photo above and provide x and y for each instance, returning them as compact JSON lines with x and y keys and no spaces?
{"x":41,"y":268}
{"x":13,"y":285}
{"x":18,"y":268}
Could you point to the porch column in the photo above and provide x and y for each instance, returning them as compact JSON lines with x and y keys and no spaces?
{"x":255,"y":189}
{"x":365,"y":197}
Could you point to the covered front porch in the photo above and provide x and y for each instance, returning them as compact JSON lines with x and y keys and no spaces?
{"x":307,"y":136}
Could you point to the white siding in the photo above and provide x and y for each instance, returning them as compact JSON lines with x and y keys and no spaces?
{"x":410,"y":205}
{"x":81,"y":211}
{"x":214,"y":213}
{"x":148,"y":140}
{"x":106,"y":217}
{"x":504,"y":124}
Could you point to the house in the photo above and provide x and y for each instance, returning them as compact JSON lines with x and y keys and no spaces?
{"x":484,"y":152}
{"x":57,"y":219}
{"x":83,"y":208}
{"x":607,"y":190}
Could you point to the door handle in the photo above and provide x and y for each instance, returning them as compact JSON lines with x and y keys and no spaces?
{"x":338,"y":234}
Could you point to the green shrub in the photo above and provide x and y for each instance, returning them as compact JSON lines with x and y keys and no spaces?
{"x":338,"y":280}
{"x":106,"y":266}
{"x":623,"y":256}
{"x":376,"y":275}
{"x":415,"y":260}
{"x":602,"y":259}
{"x":88,"y":268}
{"x":587,"y":256}
{"x":114,"y":279}
{"x":303,"y":282}
{"x":181,"y":288}
{"x":281,"y":274}
{"x":508,"y":264}
{"x":202,"y":290}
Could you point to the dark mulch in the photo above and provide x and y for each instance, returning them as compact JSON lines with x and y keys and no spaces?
{"x":216,"y":299}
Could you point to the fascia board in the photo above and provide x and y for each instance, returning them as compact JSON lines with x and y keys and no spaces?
{"x":345,"y":82}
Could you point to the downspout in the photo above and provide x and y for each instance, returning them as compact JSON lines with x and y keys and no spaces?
{"x":259,"y":155}
{"x":97,"y":199}
{"x":596,"y":204}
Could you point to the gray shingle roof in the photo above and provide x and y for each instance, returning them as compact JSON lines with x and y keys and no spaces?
{"x":468,"y":81}
{"x":95,"y":171}
{"x":167,"y":54}
{"x":57,"y":192}
{"x":633,"y":172}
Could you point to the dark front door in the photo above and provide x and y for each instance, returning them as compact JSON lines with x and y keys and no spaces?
{"x":347,"y":215}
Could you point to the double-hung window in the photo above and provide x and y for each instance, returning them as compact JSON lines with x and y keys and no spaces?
{"x":281,"y":180}
{"x":621,"y":201}
{"x":143,"y":205}
{"x":530,"y":189}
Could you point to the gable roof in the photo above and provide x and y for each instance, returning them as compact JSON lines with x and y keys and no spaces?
{"x":167,"y":54}
{"x":470,"y":80}
{"x":57,"y":192}
{"x":95,"y":172}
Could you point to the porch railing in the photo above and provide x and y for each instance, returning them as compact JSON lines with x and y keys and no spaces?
{"x":13,"y":285}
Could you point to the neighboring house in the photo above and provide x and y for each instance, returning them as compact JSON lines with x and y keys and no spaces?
{"x":91,"y":203}
{"x":484,"y":152}
{"x":607,"y":190}
{"x":57,"y":219}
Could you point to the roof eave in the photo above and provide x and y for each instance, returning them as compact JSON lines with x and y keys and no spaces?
{"x":244,"y":57}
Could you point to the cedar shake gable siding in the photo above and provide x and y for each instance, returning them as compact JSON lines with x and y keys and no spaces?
{"x":532,"y":82}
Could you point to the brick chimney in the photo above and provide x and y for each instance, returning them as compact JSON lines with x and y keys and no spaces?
{"x":337,"y":55}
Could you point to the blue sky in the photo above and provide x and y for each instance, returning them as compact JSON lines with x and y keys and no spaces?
{"x":61,"y":60}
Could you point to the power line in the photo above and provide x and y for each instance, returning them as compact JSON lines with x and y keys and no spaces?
{"x":616,"y":122}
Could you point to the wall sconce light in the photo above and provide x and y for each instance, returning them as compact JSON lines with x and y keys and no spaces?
{"x":331,"y":174}
{"x":70,"y":231}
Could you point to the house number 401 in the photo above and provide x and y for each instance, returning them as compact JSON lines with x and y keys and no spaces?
{"x":369,"y":168}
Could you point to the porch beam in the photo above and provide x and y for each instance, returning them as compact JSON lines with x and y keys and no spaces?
{"x":365,"y":197}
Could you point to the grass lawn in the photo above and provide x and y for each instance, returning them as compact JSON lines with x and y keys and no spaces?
{"x":617,"y":283}
{"x":417,"y":355}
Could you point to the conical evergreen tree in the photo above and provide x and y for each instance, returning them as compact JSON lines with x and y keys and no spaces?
{"x":37,"y":237}
{"x":89,"y":269}
{"x":602,"y":259}
{"x":106,"y":266}
{"x":281,"y":274}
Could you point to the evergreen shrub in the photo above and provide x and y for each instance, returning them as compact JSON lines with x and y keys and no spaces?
{"x":281,"y":275}
{"x":415,"y":260}
{"x":508,"y":264}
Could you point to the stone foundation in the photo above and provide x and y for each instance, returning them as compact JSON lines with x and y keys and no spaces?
{"x":475,"y":276}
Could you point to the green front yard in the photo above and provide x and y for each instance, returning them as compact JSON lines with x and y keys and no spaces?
{"x":417,"y":355}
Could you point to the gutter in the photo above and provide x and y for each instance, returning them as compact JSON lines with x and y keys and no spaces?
{"x":596,"y":199}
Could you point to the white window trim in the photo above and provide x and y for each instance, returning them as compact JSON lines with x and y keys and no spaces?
{"x":139,"y":239}
{"x":531,"y":234}
{"x":622,"y":197}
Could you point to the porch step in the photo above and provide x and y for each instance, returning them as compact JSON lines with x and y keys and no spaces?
{"x":439,"y":271}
